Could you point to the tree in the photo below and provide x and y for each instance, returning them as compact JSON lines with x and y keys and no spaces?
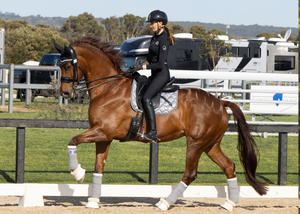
{"x":30,"y":43}
{"x":267,"y":35}
{"x":147,"y":30}
{"x":79,"y":26}
{"x":132,"y":25}
{"x":113,"y":30}
{"x":211,"y":49}
{"x":10,"y":25}
{"x":198,"y":31}
{"x":175,"y":28}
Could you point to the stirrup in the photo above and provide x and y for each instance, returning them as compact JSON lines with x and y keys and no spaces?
{"x":150,"y":139}
{"x":143,"y":137}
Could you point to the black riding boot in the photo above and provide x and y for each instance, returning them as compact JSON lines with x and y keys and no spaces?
{"x":150,"y":114}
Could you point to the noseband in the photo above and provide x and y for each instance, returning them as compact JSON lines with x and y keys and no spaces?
{"x":73,"y":60}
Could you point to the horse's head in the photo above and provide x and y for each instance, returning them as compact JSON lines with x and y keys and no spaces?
{"x":69,"y":71}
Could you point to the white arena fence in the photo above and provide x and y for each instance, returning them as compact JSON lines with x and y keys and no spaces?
{"x":31,"y":194}
{"x":179,"y":74}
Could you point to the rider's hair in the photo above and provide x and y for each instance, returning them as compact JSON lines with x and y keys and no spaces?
{"x":171,"y":37}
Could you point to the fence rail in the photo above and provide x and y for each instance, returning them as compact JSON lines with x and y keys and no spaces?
{"x":21,"y":124}
{"x":179,"y":74}
{"x":27,"y":85}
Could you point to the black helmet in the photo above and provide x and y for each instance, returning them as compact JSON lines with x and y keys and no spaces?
{"x":158,"y":16}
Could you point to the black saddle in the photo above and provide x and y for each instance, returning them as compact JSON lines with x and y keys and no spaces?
{"x":142,"y":85}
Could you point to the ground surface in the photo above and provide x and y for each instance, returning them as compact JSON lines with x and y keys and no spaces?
{"x":72,"y":205}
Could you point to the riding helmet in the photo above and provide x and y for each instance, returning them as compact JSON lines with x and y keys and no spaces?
{"x":158,"y":16}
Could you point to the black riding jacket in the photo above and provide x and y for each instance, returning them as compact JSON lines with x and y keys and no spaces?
{"x":158,"y":51}
{"x":157,"y":59}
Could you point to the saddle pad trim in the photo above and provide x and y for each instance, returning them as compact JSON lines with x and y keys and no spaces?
{"x":164,"y":107}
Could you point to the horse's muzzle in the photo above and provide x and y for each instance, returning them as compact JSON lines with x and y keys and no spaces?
{"x":67,"y":94}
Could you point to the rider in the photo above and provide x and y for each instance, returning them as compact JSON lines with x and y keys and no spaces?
{"x":157,"y":62}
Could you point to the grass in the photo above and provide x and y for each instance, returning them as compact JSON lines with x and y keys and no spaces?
{"x":46,"y":160}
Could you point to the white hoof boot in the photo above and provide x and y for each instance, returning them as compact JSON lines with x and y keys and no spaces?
{"x":93,"y":203}
{"x":228,"y":205}
{"x":79,"y":174}
{"x":162,"y":205}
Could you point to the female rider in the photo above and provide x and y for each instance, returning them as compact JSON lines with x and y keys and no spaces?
{"x":157,"y":62}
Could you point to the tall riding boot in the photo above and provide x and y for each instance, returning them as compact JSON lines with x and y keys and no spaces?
{"x":150,"y":114}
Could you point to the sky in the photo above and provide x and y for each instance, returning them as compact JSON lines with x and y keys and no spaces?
{"x":277,"y":13}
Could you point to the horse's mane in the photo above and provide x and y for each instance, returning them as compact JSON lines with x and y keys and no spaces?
{"x":104,"y":47}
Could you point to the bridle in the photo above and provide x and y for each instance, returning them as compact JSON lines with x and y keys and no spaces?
{"x":82,"y":85}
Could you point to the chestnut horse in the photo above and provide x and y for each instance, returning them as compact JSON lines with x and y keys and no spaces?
{"x":199,"y":116}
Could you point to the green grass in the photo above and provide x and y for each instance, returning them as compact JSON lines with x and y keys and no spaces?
{"x":46,"y":160}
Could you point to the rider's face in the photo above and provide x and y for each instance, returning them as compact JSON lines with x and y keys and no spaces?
{"x":154,"y":25}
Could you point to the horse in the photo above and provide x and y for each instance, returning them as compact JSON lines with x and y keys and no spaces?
{"x":200,"y":117}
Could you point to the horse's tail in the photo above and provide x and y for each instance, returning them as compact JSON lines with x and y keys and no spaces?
{"x":248,"y":151}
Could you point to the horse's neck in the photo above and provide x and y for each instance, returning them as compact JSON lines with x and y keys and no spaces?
{"x":97,"y":66}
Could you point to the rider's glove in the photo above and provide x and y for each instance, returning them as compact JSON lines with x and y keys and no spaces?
{"x":135,"y":68}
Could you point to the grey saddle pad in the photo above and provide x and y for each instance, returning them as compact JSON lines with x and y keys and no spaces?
{"x":164,"y":108}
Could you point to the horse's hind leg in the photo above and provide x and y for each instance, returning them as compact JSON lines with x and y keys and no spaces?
{"x":217,"y":155}
{"x":101,"y":155}
{"x":194,"y":152}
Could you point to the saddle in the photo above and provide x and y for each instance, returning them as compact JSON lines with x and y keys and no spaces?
{"x":142,"y":83}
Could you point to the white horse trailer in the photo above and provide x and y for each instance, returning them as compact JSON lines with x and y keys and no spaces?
{"x":258,"y":55}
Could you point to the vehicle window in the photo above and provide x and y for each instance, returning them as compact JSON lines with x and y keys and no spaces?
{"x":183,"y":55}
{"x":128,"y":61}
{"x":256,"y":52}
{"x":50,"y":60}
{"x":233,"y":50}
{"x":140,"y":60}
{"x":244,"y":52}
{"x":284,"y":63}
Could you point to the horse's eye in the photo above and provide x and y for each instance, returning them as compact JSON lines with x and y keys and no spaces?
{"x":68,"y":67}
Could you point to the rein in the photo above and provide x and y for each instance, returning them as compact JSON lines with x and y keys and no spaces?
{"x":81,"y":83}
{"x":83,"y":86}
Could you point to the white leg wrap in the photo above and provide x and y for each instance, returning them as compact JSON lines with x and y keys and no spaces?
{"x":162,"y":205}
{"x":72,"y":153}
{"x":79,"y":174}
{"x":97,"y":182}
{"x":93,"y":203}
{"x":172,"y":198}
{"x":228,"y":205}
{"x":176,"y":193}
{"x":94,"y":200}
{"x":233,"y":190}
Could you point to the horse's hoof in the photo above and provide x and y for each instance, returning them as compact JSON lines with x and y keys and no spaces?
{"x":79,"y":174}
{"x":162,"y":205}
{"x":228,"y":205}
{"x":93,"y":203}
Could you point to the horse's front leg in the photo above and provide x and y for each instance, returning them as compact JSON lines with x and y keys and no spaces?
{"x":101,"y":155}
{"x":90,"y":136}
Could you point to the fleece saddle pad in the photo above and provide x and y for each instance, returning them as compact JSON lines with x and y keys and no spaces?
{"x":164,"y":108}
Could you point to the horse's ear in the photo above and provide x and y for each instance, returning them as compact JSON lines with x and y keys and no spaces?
{"x":58,"y":48}
{"x":67,"y":49}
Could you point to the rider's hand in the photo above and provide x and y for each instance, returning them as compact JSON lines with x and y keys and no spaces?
{"x":135,"y":68}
